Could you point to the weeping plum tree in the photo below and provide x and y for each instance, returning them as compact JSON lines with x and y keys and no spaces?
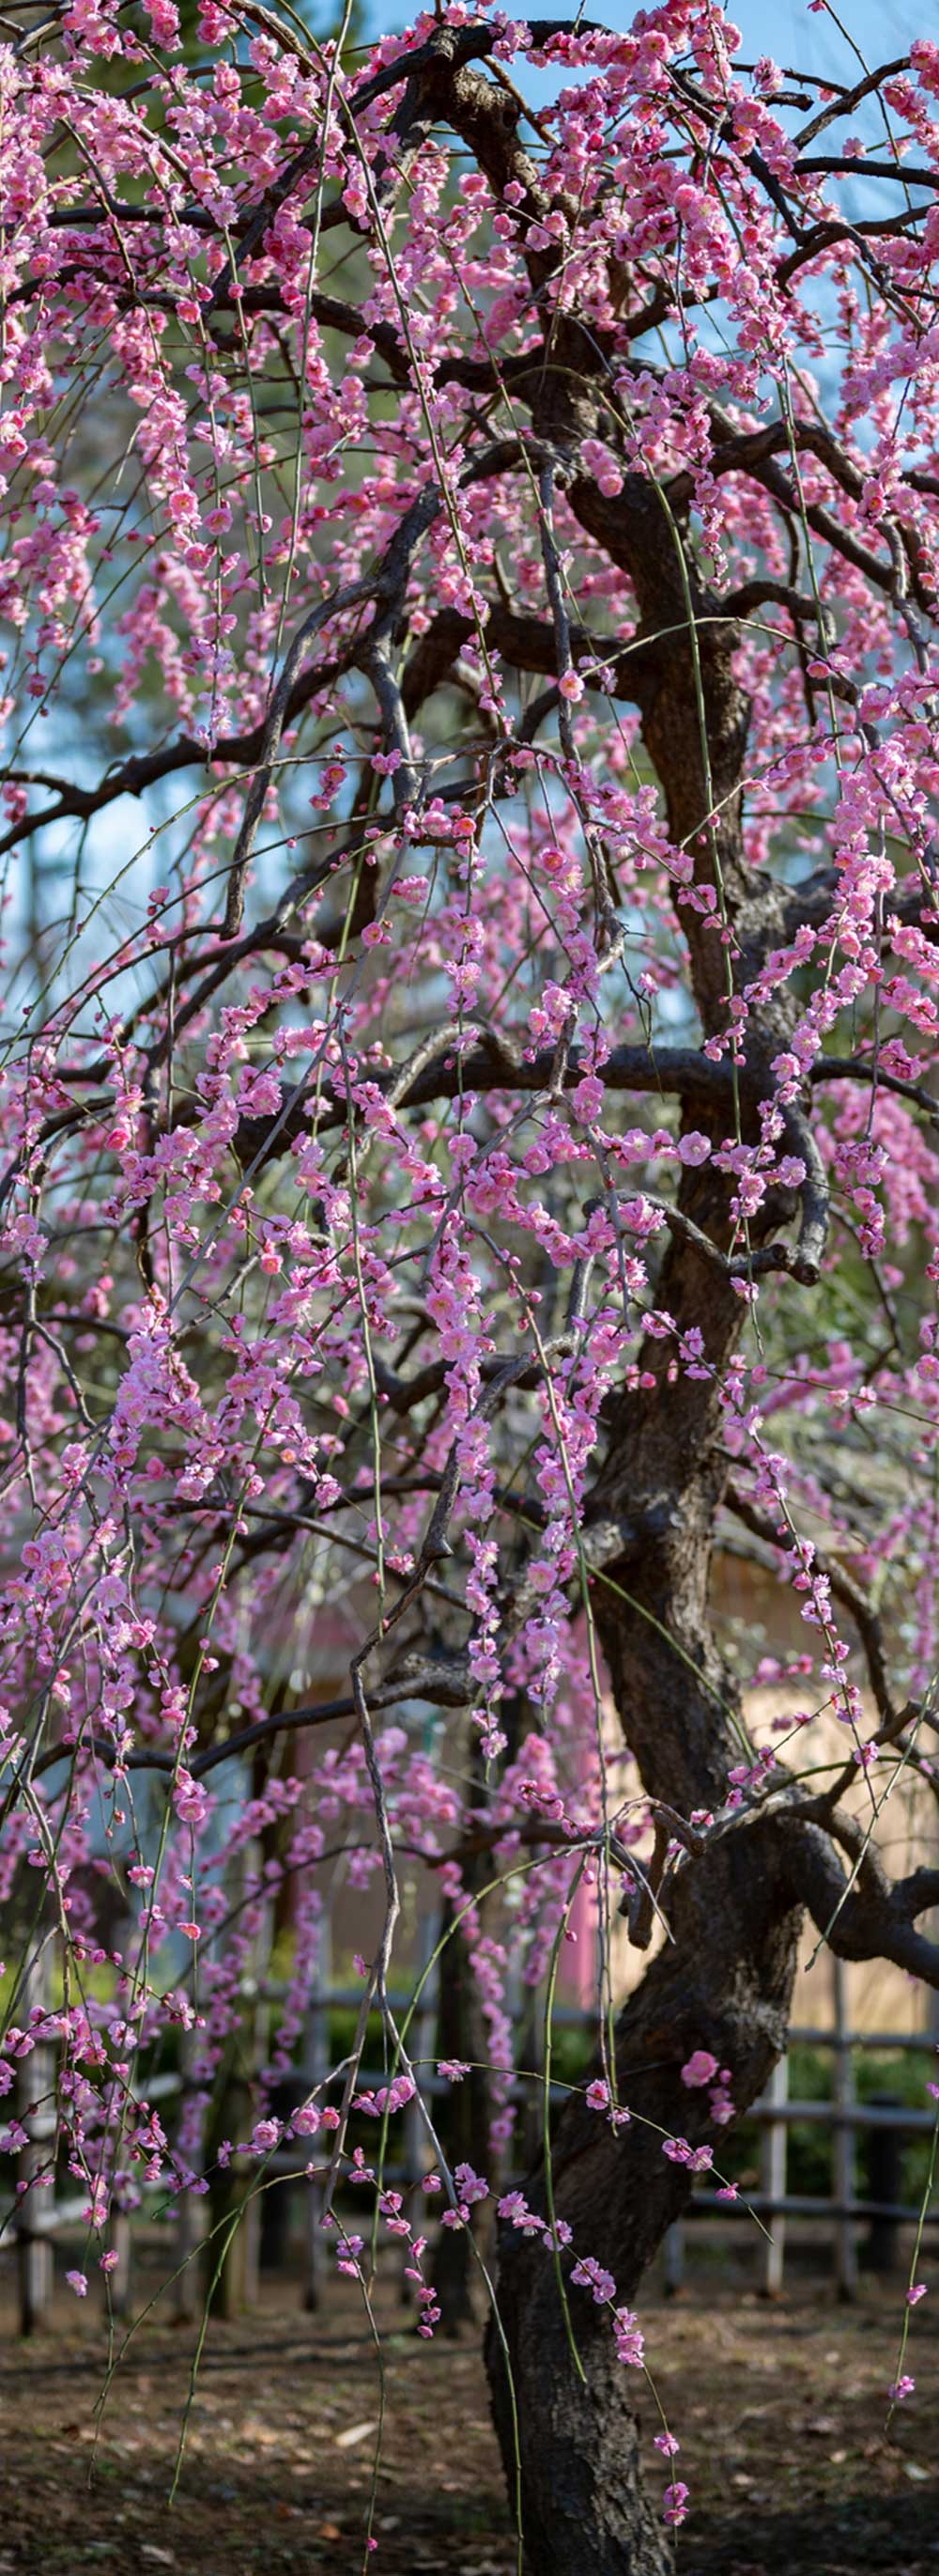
{"x":470,"y":578}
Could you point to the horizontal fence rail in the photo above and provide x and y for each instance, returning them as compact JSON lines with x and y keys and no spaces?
{"x":41,"y":2212}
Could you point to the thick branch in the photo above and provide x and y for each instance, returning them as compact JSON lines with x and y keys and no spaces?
{"x":862,"y":1920}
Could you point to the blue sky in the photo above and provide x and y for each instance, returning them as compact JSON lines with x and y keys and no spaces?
{"x":786,"y":29}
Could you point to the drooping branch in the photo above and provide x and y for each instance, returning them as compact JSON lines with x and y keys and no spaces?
{"x":842,"y":1584}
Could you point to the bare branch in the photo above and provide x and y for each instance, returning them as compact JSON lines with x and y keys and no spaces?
{"x":839,"y":164}
{"x":863,"y":1920}
{"x":850,"y":98}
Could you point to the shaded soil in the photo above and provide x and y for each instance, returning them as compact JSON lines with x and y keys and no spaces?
{"x":780,"y":2410}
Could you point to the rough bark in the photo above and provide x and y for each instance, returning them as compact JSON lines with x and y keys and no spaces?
{"x":461,"y":2034}
{"x":725,"y":1985}
{"x":724,"y":1981}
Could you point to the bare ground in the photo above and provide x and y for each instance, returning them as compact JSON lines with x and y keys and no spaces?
{"x":780,"y":2411}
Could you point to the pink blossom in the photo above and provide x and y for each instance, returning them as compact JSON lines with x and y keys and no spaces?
{"x":264,"y":2136}
{"x":496,"y":1160}
{"x":699,"y":2069}
{"x":676,"y":2503}
{"x":590,"y":2275}
{"x":629,"y":2339}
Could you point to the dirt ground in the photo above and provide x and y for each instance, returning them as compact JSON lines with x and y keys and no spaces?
{"x":780,"y":2411}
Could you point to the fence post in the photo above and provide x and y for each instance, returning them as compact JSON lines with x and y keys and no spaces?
{"x":317,"y":2055}
{"x":773,"y":2167}
{"x":246,"y":2251}
{"x":531,"y":2051}
{"x":885,"y":2184}
{"x":673,"y":2258}
{"x":120,"y":2279}
{"x":845,"y":2160}
{"x":425,"y":2028}
{"x":33,"y":2082}
{"x":190,"y":2218}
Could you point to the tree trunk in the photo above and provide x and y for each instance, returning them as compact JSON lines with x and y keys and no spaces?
{"x":723,"y":1981}
{"x":461,"y":2033}
{"x":723,"y":1984}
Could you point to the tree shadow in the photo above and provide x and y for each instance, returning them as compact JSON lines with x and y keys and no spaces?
{"x":895,"y":2535}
